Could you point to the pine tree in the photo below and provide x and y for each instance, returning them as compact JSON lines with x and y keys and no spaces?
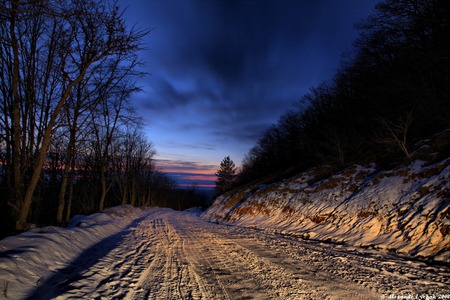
{"x":225,"y":175}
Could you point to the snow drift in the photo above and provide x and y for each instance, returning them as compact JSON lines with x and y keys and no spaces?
{"x":28,"y":259}
{"x":406,"y":210}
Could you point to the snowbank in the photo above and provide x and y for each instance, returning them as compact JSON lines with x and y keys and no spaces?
{"x":406,"y":210}
{"x":28,"y":259}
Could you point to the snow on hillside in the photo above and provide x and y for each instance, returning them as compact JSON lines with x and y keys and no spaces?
{"x":29,"y":258}
{"x":406,"y":210}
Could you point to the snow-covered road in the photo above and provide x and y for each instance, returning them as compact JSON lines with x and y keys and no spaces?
{"x":177,"y":255}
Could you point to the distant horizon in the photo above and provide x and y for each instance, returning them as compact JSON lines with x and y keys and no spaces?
{"x":189,"y":174}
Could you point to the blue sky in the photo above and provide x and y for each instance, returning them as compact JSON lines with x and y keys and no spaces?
{"x":222,"y":71}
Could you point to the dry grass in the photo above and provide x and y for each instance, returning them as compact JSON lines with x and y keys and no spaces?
{"x":445,"y":230}
{"x":289,"y":211}
{"x":366,"y":214}
{"x":235,"y":199}
{"x":320,"y":218}
{"x":252,"y":208}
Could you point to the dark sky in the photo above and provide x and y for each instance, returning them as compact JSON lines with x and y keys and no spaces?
{"x":222,"y":71}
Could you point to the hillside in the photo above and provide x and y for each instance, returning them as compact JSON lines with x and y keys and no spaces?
{"x":404,"y":209}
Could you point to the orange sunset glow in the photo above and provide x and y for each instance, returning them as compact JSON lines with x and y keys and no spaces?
{"x":188,"y":174}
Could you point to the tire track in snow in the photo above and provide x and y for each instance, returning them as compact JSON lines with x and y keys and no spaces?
{"x":176,"y":255}
{"x":384,"y":273}
{"x":117,"y":272}
{"x":225,"y":264}
{"x":169,"y":275}
{"x":274,"y":275}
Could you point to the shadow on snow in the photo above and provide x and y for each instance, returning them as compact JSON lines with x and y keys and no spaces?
{"x":59,"y":282}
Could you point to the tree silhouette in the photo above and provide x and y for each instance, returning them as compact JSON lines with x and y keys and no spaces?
{"x":390,"y":92}
{"x":48,"y":49}
{"x":225,"y":175}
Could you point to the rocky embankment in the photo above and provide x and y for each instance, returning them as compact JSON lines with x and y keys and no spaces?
{"x":406,"y":209}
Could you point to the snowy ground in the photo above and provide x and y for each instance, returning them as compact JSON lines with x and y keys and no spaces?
{"x":404,"y":210}
{"x":164,"y":254}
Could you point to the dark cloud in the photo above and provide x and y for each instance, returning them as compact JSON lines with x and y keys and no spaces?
{"x":225,"y":62}
{"x":202,"y":146}
{"x":224,"y":70}
{"x":242,"y":132}
{"x":166,"y":96}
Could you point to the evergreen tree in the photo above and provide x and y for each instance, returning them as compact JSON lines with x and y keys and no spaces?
{"x":225,"y":175}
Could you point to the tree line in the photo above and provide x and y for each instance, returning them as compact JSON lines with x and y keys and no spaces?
{"x":70,"y":140}
{"x":391,"y":90}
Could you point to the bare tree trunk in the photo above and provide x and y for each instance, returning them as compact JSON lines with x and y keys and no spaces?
{"x":39,"y":164}
{"x":105,"y":189}
{"x":133,"y":193}
{"x":16,"y":132}
{"x":70,"y":196}
{"x":124,"y":194}
{"x":66,"y":174}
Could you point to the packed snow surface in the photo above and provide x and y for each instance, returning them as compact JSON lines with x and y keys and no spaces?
{"x":128,"y":253}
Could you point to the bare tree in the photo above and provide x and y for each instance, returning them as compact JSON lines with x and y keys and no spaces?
{"x":111,"y":114}
{"x":83,"y":106}
{"x":395,"y":134}
{"x":134,"y":159}
{"x":48,"y":48}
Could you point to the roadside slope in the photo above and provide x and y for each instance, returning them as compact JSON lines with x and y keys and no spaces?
{"x":406,"y":210}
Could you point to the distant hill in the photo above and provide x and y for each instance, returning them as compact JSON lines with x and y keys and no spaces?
{"x":405,"y":209}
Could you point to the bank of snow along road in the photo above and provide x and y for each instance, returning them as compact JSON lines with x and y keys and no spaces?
{"x":129,"y":253}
